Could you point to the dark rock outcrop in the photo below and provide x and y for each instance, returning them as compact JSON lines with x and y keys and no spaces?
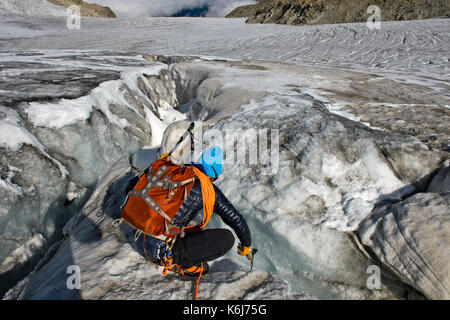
{"x":311,"y":12}
{"x":87,"y":9}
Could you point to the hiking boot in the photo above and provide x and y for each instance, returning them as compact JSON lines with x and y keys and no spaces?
{"x":195,"y":270}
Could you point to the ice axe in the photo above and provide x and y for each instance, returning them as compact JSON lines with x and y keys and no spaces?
{"x":184,"y":136}
{"x":251,"y":257}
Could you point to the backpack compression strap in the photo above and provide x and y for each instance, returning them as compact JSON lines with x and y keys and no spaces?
{"x":166,"y":183}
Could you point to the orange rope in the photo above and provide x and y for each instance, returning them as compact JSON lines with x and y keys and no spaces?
{"x":198,"y":281}
{"x":208,"y":194}
{"x":173,"y":267}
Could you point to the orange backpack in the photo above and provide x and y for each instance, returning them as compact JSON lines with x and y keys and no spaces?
{"x":159,"y":193}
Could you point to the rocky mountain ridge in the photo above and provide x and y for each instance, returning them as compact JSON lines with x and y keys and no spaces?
{"x":87,"y":9}
{"x":313,"y":12}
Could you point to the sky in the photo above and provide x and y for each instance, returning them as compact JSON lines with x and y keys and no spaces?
{"x":168,"y":8}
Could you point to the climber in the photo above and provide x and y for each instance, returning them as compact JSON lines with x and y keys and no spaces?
{"x":193,"y":248}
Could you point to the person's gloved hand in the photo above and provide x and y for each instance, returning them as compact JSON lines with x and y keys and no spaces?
{"x":243,"y":251}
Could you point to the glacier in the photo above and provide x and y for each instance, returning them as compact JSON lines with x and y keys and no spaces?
{"x":79,"y":108}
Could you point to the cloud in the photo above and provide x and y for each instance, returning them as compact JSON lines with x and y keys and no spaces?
{"x":167,"y":8}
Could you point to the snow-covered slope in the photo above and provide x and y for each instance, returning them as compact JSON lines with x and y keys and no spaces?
{"x":418,"y":48}
{"x":31,"y":8}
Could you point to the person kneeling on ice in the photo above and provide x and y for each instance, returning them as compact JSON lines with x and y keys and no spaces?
{"x":162,"y":205}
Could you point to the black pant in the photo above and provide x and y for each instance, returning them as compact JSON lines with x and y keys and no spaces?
{"x":202,"y":246}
